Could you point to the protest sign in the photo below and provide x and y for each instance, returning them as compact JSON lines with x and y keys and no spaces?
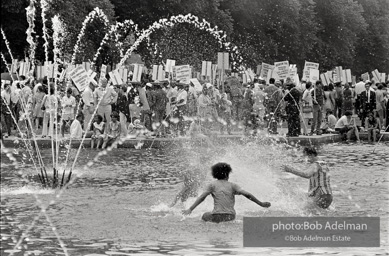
{"x":324,"y":79}
{"x":348,"y":76}
{"x":183,"y":73}
{"x":103,"y":71}
{"x":214,"y":72}
{"x":281,"y":69}
{"x":307,"y":66}
{"x":313,"y":75}
{"x":259,"y":70}
{"x":62,"y":76}
{"x":266,"y":71}
{"x":158,"y":73}
{"x":383,"y":75}
{"x":365,"y":76}
{"x":343,"y":76}
{"x":206,"y":68}
{"x":223,"y":61}
{"x":80,"y":77}
{"x":198,"y":87}
{"x":244,"y":78}
{"x":169,"y":65}
{"x":293,"y":73}
{"x":376,"y":75}
{"x":137,"y":74}
{"x":86,"y":65}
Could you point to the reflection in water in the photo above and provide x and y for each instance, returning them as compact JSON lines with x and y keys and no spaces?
{"x":119,"y":204}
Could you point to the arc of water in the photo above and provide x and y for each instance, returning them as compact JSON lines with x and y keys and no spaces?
{"x":298,"y":107}
{"x":5,"y":62}
{"x":44,"y":6}
{"x":127,"y":24}
{"x":191,"y":19}
{"x":7,"y":44}
{"x":97,"y":12}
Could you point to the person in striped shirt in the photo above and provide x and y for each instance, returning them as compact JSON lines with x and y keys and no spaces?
{"x":319,"y":179}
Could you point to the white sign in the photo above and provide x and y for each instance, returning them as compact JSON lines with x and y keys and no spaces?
{"x":308,"y":66}
{"x":103,"y":71}
{"x":376,"y":75}
{"x":266,"y":71}
{"x":281,"y":69}
{"x":198,"y":87}
{"x":348,"y":76}
{"x":313,"y":75}
{"x":158,"y":73}
{"x":80,"y":77}
{"x":183,"y":73}
{"x":169,"y":65}
{"x":206,"y":68}
{"x":223,"y":60}
{"x":137,"y":74}
{"x":383,"y":75}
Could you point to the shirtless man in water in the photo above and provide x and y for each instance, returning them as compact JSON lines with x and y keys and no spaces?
{"x":223,"y":193}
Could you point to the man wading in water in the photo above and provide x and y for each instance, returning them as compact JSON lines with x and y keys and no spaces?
{"x":223,"y":193}
{"x":319,"y":179}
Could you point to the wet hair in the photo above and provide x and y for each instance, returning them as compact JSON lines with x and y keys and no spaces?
{"x":348,"y":113}
{"x":271,"y":80}
{"x":221,"y":171}
{"x":100,"y":118}
{"x":115,"y":114}
{"x":310,"y":151}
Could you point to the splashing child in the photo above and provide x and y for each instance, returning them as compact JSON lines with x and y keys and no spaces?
{"x":223,"y":193}
{"x":319,"y":179}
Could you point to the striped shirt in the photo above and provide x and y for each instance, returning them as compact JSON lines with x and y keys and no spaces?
{"x":320,"y":181}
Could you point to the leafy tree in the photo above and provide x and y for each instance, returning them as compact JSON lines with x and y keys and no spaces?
{"x":372,"y":50}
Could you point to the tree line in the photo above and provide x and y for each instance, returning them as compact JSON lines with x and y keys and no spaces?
{"x":349,"y":33}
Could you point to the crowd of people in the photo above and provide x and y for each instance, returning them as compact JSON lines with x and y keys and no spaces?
{"x":162,"y":109}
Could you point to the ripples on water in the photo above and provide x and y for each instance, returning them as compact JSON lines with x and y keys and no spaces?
{"x":120,"y":202}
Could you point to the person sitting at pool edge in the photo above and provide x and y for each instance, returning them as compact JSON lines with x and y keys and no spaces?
{"x":345,"y":125}
{"x":113,"y":130}
{"x":223,"y":193}
{"x":372,"y":126}
{"x":319,"y":179}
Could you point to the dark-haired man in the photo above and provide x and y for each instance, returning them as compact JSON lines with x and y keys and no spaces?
{"x":346,"y":125}
{"x":367,"y":102}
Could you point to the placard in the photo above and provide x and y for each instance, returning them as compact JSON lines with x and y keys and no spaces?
{"x":313,"y":75}
{"x":266,"y":71}
{"x":259,"y":70}
{"x":348,"y":76}
{"x":281,"y":69}
{"x":103,"y":71}
{"x":376,"y":75}
{"x":343,"y":77}
{"x":308,"y":66}
{"x":158,"y":73}
{"x":383,"y":76}
{"x":223,"y":60}
{"x":169,"y":65}
{"x":324,"y":79}
{"x":183,"y":73}
{"x":80,"y":77}
{"x":137,"y":74}
{"x":198,"y":87}
{"x":206,"y":69}
{"x":365,"y":76}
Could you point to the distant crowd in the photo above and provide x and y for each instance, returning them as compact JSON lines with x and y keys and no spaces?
{"x":160,"y":109}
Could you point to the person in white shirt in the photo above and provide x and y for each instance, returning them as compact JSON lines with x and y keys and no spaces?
{"x":359,"y":88}
{"x":49,"y":105}
{"x":76,"y":131}
{"x":345,"y":125}
{"x":88,"y":98}
{"x":68,"y":103}
{"x":105,"y":96}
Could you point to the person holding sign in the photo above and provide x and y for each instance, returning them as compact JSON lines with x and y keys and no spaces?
{"x":105,"y":96}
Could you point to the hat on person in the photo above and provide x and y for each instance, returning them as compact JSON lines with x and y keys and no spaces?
{"x":149,"y":85}
{"x":368,"y":82}
{"x":208,"y":85}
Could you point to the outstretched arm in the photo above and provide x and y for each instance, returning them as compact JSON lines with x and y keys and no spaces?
{"x":254,"y":199}
{"x":296,"y":172}
{"x":199,"y":200}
